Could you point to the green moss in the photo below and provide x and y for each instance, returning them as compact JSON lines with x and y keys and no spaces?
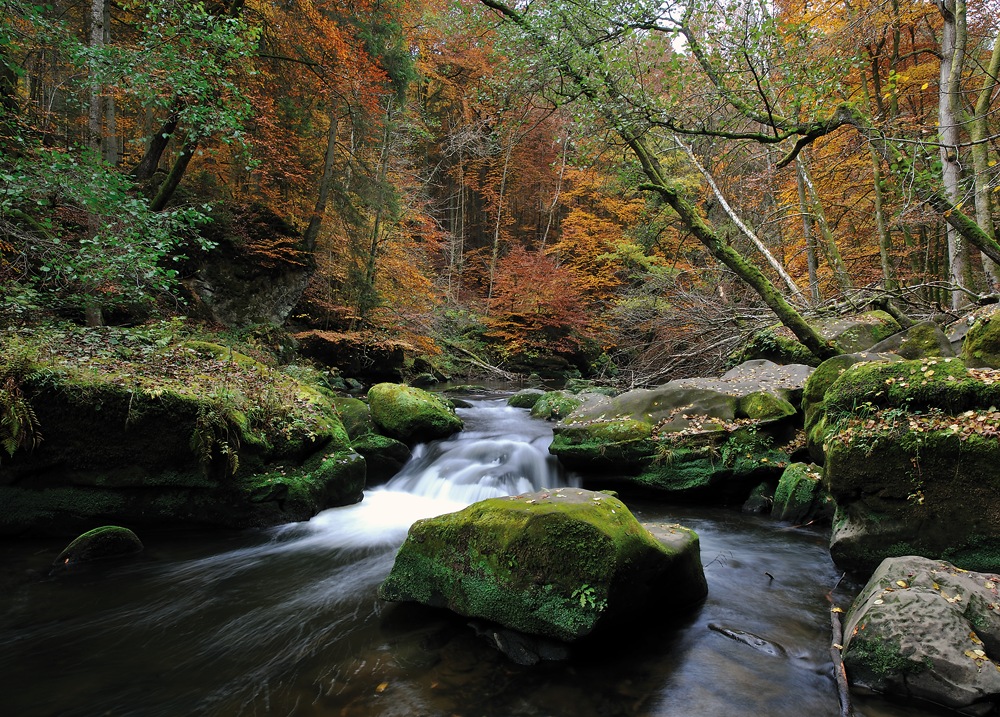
{"x":623,"y":443}
{"x":411,"y":414}
{"x":880,"y":657}
{"x":799,"y":494}
{"x":982,"y":342}
{"x":545,"y":564}
{"x":555,"y":405}
{"x":764,"y":405}
{"x":776,"y":344}
{"x":526,"y":398}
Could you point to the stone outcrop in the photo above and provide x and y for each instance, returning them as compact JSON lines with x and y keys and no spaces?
{"x":556,"y":564}
{"x":203,"y":436}
{"x":912,"y":452}
{"x":923,"y":629}
{"x":709,"y":439}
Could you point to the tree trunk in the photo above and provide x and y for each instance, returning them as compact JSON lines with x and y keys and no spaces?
{"x":829,"y":244}
{"x":109,"y":145}
{"x":325,"y":184}
{"x":808,"y":235}
{"x":496,"y":227}
{"x":166,"y":190}
{"x":747,"y":232}
{"x":952,"y":59}
{"x":146,"y":167}
{"x":979,"y":138}
{"x":94,"y":133}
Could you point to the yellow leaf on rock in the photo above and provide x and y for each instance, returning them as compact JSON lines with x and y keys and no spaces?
{"x":381,"y":688}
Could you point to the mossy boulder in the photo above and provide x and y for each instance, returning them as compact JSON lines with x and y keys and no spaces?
{"x":109,"y":541}
{"x":922,"y":340}
{"x":525,"y":398}
{"x":800,"y":496}
{"x":814,"y":394}
{"x":411,"y":414}
{"x":850,"y":334}
{"x":384,"y":456}
{"x":557,"y":564}
{"x":555,"y":405}
{"x":911,"y":454}
{"x":183,"y":435}
{"x":982,"y":342}
{"x":923,"y":629}
{"x":709,"y":439}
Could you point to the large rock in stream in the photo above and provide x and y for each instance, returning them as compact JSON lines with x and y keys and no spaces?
{"x":912,"y":452}
{"x":552,"y":563}
{"x":924,"y":629}
{"x":711,"y":439}
{"x":411,"y":414}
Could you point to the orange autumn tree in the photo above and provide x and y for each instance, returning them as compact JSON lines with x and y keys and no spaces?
{"x":537,"y":307}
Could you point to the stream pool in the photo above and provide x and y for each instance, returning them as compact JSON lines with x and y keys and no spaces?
{"x":286,"y":622}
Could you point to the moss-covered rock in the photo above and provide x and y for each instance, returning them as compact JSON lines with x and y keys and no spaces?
{"x":911,"y":456}
{"x":922,"y":629}
{"x":800,"y":496}
{"x":814,"y":394}
{"x":982,"y":342}
{"x":850,"y":334}
{"x":525,"y":398}
{"x":109,"y":541}
{"x":555,"y":405}
{"x":922,"y":340}
{"x":706,"y":439}
{"x":182,"y":435}
{"x":411,"y":414}
{"x":556,"y":564}
{"x":762,"y":405}
{"x":384,"y":456}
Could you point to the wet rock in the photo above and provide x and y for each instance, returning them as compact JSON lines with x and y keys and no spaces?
{"x":555,"y":564}
{"x":411,"y":414}
{"x":800,"y":496}
{"x":109,"y":541}
{"x":923,"y":629}
{"x":525,"y":398}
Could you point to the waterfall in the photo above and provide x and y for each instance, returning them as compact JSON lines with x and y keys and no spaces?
{"x":501,"y":452}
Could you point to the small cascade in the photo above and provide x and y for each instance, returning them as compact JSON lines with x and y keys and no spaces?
{"x":501,"y":452}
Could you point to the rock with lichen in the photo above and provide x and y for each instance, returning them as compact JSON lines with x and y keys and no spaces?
{"x":981,"y":347}
{"x":911,"y":454}
{"x":555,"y":563}
{"x":924,"y":629}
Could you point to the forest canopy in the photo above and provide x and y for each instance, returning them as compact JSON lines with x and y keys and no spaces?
{"x":639,"y":180}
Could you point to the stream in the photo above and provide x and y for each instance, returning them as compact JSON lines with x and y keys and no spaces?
{"x":286,"y":622}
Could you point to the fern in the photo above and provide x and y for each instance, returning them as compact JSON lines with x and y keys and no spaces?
{"x":213,"y":434}
{"x":18,"y":422}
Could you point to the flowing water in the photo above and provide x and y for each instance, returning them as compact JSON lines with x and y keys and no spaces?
{"x":286,"y":621}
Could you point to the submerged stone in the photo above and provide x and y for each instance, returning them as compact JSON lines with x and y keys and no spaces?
{"x":109,"y":541}
{"x":552,"y":563}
